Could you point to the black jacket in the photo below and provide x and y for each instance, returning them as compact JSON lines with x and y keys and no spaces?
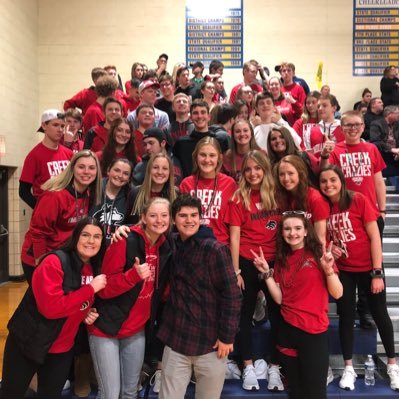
{"x":114,"y":311}
{"x":34,"y":333}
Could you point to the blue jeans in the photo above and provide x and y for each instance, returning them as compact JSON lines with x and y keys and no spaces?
{"x":117,"y":363}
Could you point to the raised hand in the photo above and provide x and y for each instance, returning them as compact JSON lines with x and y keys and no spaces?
{"x":327,"y":259}
{"x":260,"y":261}
{"x":143,"y":270}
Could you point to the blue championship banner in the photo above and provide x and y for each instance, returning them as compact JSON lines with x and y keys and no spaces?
{"x":214,"y":31}
{"x":375,"y":36}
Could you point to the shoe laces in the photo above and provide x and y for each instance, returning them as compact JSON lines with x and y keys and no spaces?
{"x":274,"y":370}
{"x":152,"y":379}
{"x":349,"y":372}
{"x":393,"y":371}
{"x":248,"y":369}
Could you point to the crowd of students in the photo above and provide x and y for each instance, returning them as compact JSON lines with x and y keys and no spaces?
{"x":258,"y":191}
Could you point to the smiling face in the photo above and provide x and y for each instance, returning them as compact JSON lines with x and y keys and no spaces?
{"x":275,"y":87}
{"x":353,"y":128}
{"x":160,"y":171}
{"x":294,"y":232}
{"x":277,"y":142}
{"x":253,"y":174}
{"x":187,"y":222}
{"x":112,"y":111}
{"x":122,"y":134}
{"x":288,"y":176}
{"x":200,"y":117}
{"x":89,"y":242}
{"x":84,"y":173}
{"x":326,"y":110}
{"x":119,"y":174}
{"x":156,"y":220}
{"x":330,"y":185}
{"x":207,"y":161}
{"x":242,"y":133}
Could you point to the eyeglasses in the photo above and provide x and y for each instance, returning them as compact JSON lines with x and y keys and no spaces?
{"x":349,"y":126}
{"x":294,"y":213}
{"x":95,"y":237}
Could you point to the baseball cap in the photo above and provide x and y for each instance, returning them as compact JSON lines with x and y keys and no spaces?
{"x":49,"y":115}
{"x":156,"y":133}
{"x":148,"y":83}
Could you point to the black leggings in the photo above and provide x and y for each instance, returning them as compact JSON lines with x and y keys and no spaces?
{"x":253,"y":285}
{"x":346,"y":309}
{"x":18,"y":371}
{"x":307,"y":371}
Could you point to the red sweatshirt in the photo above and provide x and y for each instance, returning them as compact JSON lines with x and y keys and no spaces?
{"x":119,"y":282}
{"x":52,"y":302}
{"x":82,"y":99}
{"x":52,"y":222}
{"x":93,"y":115}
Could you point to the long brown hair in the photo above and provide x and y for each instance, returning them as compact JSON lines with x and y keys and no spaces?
{"x":109,"y":151}
{"x":284,"y":197}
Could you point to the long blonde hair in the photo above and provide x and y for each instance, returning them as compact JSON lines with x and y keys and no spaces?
{"x":243,"y":193}
{"x":144,"y":194}
{"x":65,"y":178}
{"x":152,"y":201}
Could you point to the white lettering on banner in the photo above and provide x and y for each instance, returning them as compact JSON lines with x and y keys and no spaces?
{"x":56,"y":167}
{"x":341,"y":227}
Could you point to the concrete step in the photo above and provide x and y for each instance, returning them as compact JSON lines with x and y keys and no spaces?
{"x":391,"y":231}
{"x":392,"y":219}
{"x":392,"y":198}
{"x":390,"y":244}
{"x":391,"y":258}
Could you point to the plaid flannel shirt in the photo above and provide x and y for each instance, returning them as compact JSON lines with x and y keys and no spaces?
{"x":205,"y":301}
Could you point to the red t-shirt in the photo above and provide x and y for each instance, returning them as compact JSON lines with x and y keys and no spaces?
{"x":214,"y":201}
{"x":319,"y":136}
{"x":42,"y":163}
{"x":359,"y":163}
{"x":138,"y":139}
{"x":348,"y":226}
{"x":291,"y":111}
{"x":120,"y":281}
{"x":304,"y":292}
{"x":257,"y":227}
{"x":93,"y":116}
{"x":52,"y":302}
{"x":317,"y":206}
{"x":303,"y":130}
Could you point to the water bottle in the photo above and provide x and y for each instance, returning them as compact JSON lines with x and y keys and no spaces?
{"x":369,"y":369}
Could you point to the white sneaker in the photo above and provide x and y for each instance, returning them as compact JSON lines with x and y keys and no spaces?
{"x":260,"y":366}
{"x":249,"y":380}
{"x":232,"y":371}
{"x":330,"y":376}
{"x":274,"y":377}
{"x":348,"y":379}
{"x":393,"y":373}
{"x":156,"y":381}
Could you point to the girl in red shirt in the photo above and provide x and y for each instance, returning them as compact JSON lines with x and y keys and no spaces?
{"x":253,"y":218}
{"x":137,"y":273}
{"x":304,"y":275}
{"x":44,"y":326}
{"x":66,"y":199}
{"x":352,"y":227}
{"x":293,"y":192}
{"x":120,"y":144}
{"x":212,"y":187}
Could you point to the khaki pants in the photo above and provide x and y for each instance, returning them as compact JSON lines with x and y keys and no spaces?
{"x":177,"y":369}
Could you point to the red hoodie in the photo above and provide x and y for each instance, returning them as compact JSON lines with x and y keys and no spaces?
{"x":52,"y":222}
{"x":52,"y":302}
{"x":119,"y":282}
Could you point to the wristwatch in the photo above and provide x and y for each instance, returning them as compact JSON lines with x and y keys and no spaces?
{"x":377,"y":273}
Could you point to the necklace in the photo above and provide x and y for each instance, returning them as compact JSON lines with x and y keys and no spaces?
{"x":213,"y":193}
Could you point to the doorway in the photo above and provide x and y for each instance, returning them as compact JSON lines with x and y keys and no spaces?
{"x":4,"y":236}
